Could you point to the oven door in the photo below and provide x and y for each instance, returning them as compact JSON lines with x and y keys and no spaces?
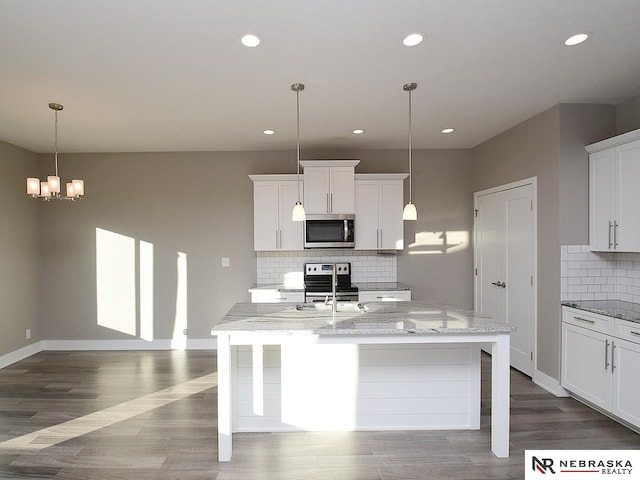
{"x":329,"y":231}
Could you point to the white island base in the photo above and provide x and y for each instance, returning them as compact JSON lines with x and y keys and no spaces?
{"x":282,"y":382}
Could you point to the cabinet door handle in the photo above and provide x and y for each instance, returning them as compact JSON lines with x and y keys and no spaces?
{"x":592,"y":322}
{"x":606,"y":354}
{"x":331,"y":203}
{"x":610,"y":242}
{"x":615,"y":235}
{"x":280,"y":238}
{"x":328,"y":211}
{"x":613,"y":349}
{"x":276,"y":238}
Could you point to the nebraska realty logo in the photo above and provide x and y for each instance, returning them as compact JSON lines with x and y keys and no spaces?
{"x":582,"y":464}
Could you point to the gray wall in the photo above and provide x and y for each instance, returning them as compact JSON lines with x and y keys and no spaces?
{"x":549,"y":146}
{"x":202,"y":204}
{"x":628,"y":115}
{"x":19,"y":258}
{"x":580,"y":125}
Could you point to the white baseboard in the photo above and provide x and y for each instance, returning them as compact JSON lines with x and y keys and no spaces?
{"x":137,"y":344}
{"x":550,"y":384}
{"x":165,"y":344}
{"x":21,"y":354}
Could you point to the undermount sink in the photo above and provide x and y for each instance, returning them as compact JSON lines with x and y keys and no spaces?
{"x":349,"y":307}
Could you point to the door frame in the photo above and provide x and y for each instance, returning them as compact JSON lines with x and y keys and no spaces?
{"x":533,"y":181}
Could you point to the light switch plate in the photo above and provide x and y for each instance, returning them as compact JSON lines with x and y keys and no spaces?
{"x":226,"y":262}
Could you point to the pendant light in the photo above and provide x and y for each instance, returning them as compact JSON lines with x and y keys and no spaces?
{"x":51,"y":188}
{"x":409,"y":212}
{"x":298,"y":215}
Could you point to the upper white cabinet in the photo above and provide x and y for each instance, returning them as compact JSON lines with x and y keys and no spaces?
{"x":273,"y":199}
{"x":378,"y":210}
{"x":329,"y":186}
{"x":614,"y":197}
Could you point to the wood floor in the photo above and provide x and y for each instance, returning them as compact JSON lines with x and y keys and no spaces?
{"x":152,"y":415}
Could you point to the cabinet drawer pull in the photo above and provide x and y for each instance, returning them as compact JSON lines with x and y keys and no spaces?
{"x":592,"y":322}
{"x":634,"y":333}
{"x":606,"y":354}
{"x":384,"y":296}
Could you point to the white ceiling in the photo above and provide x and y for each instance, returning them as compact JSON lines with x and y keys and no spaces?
{"x":169,"y":75}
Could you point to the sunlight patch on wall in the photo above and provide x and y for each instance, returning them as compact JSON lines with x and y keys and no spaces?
{"x":430,"y":243}
{"x":146,"y":291}
{"x":179,"y":338}
{"x":116,"y":281}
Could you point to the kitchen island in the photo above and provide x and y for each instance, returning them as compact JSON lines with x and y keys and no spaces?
{"x":381,"y":366}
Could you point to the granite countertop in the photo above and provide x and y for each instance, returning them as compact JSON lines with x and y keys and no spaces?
{"x":611,"y":308}
{"x":362,"y":286}
{"x":380,"y":318}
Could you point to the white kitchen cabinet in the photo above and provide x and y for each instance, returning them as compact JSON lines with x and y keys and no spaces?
{"x":614,"y":199}
{"x":384,"y":296}
{"x":329,"y":186}
{"x":600,"y":361}
{"x":378,"y":210}
{"x":273,"y":201}
{"x":274,"y":295}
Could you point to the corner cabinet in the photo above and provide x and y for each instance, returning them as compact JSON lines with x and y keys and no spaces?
{"x":273,"y":199}
{"x":614,"y":196}
{"x":378,"y":210}
{"x":600,"y":361}
{"x":329,"y":186}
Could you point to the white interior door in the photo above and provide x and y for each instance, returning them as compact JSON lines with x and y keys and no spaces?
{"x":504,"y":259}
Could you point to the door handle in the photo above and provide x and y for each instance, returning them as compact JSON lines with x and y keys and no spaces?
{"x":499,"y":284}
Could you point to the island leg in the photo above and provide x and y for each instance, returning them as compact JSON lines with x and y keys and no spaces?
{"x":224,"y":398}
{"x":500,"y":396}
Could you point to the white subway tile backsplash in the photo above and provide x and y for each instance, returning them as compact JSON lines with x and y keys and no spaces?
{"x":286,"y":267}
{"x":587,"y":275}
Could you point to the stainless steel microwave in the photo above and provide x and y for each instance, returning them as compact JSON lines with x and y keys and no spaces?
{"x":329,"y":231}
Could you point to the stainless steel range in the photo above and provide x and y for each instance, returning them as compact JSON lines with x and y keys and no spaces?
{"x":317,"y":282}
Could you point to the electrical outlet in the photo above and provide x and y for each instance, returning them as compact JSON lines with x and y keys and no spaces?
{"x":28,"y":333}
{"x":226,"y":261}
{"x":185,"y":331}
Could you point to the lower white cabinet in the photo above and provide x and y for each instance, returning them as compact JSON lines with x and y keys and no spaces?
{"x":384,"y":296}
{"x":600,"y":361}
{"x":268,"y":295}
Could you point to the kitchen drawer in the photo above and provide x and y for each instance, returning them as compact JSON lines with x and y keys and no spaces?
{"x":592,"y":321}
{"x":628,"y":330}
{"x":276,"y":296}
{"x":384,"y":296}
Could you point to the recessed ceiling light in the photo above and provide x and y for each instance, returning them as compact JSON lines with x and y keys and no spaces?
{"x":250,"y":40}
{"x":412,"y":39}
{"x":269,"y":132}
{"x":447,"y":130}
{"x":576,"y":39}
{"x":358,"y":131}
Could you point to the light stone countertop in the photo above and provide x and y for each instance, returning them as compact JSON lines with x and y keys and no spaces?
{"x":611,"y":308}
{"x":380,"y":318}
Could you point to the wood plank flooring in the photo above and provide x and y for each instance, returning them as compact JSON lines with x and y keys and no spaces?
{"x":159,"y":415}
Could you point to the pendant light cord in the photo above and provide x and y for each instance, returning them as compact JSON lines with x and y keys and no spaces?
{"x":298,"y":138}
{"x":410,"y":176}
{"x":56,"y":141}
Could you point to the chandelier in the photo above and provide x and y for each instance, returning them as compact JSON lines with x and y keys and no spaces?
{"x":51,"y":188}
